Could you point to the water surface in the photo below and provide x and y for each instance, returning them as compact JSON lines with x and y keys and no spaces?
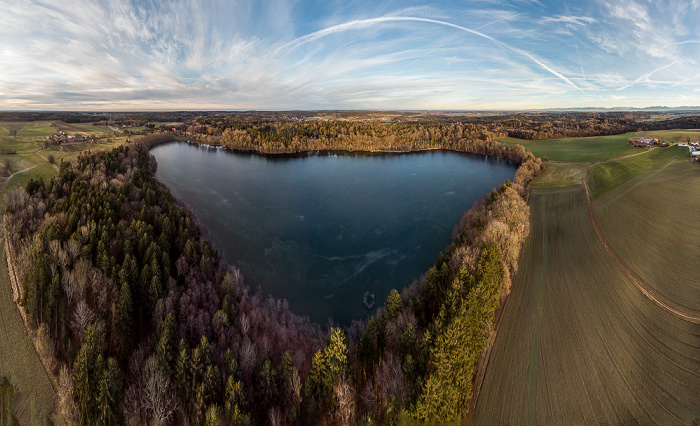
{"x":320,"y":231}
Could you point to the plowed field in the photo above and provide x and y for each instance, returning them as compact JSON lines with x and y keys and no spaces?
{"x":578,"y":343}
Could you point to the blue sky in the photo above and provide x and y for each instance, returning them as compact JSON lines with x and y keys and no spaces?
{"x":352,"y":54}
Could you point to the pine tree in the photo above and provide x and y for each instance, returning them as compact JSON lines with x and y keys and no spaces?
{"x":392,"y":307}
{"x":109,"y":398}
{"x":87,"y":373}
{"x":166,"y":348}
{"x":124,"y":321}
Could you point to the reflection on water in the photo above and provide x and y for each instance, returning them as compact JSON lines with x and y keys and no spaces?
{"x":322,"y":230}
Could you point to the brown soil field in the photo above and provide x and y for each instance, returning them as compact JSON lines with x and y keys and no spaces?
{"x":578,"y":342}
{"x":651,"y":223}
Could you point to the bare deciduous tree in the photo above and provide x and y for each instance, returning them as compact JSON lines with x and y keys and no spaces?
{"x":274,"y":416}
{"x":344,"y":394}
{"x":157,"y":396}
{"x":73,"y":249}
{"x":66,"y":400}
{"x":82,"y":317}
{"x":69,"y":286}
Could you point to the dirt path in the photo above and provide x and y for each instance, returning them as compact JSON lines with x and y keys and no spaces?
{"x":4,"y":184}
{"x":643,"y":286}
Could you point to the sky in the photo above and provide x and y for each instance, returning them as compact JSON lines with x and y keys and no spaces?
{"x":119,"y":55}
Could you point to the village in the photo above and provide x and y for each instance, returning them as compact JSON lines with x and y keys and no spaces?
{"x":693,"y":146}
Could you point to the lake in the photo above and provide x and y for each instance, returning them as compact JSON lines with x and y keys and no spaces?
{"x":323,"y":230}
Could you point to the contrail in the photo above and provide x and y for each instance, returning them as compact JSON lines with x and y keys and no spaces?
{"x":372,"y":21}
{"x":462,"y":35}
{"x":647,"y":75}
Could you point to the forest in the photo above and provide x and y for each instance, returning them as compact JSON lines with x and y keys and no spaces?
{"x":147,"y":324}
{"x":408,"y":132}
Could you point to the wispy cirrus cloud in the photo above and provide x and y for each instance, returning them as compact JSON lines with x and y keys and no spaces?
{"x":574,"y":20}
{"x":282,"y":54}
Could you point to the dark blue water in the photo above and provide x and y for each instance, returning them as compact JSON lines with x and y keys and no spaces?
{"x":321,"y":231}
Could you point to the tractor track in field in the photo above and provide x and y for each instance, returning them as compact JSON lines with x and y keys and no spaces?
{"x":646,"y":289}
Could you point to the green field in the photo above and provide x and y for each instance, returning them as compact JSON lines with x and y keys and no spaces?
{"x":22,"y":161}
{"x":18,"y":359}
{"x":18,"y":145}
{"x":593,"y":149}
{"x":37,"y":128}
{"x":88,"y":127}
{"x":676,"y":135}
{"x":8,"y":126}
{"x":602,"y":178}
{"x":556,"y":175}
{"x":578,"y":343}
{"x":651,"y":223}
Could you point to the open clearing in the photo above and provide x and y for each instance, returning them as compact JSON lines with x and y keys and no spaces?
{"x":591,"y":149}
{"x":651,"y":223}
{"x":18,"y":359}
{"x":580,"y":344}
{"x":37,"y":128}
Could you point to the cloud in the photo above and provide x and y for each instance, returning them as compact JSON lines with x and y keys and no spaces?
{"x":374,"y":21}
{"x":574,"y":20}
{"x":287,"y":54}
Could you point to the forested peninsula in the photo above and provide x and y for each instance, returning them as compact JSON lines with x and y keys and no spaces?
{"x":141,"y":321}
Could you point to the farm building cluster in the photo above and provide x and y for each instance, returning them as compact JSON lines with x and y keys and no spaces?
{"x":693,"y":147}
{"x":646,"y":142}
{"x":62,"y":138}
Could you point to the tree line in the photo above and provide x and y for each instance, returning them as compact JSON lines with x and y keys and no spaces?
{"x":148,"y":324}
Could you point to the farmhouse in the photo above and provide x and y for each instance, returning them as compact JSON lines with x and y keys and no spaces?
{"x":649,"y":141}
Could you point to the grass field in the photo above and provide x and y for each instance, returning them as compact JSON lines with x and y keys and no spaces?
{"x":89,"y":128}
{"x":557,"y":175}
{"x":602,"y":178}
{"x":676,"y":135}
{"x":598,"y":148}
{"x":18,"y":359}
{"x":20,"y":162}
{"x":8,"y":126}
{"x":578,"y":343}
{"x":651,"y":223}
{"x":37,"y":128}
{"x":18,"y":145}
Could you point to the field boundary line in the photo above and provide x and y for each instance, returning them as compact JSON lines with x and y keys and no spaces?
{"x":638,"y":282}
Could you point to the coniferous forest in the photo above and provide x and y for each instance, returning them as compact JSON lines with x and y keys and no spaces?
{"x":147,"y":324}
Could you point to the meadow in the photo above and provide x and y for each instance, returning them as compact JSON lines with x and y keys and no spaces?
{"x":37,"y":128}
{"x":589,"y":149}
{"x":578,"y":343}
{"x":7,"y":127}
{"x":18,"y":145}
